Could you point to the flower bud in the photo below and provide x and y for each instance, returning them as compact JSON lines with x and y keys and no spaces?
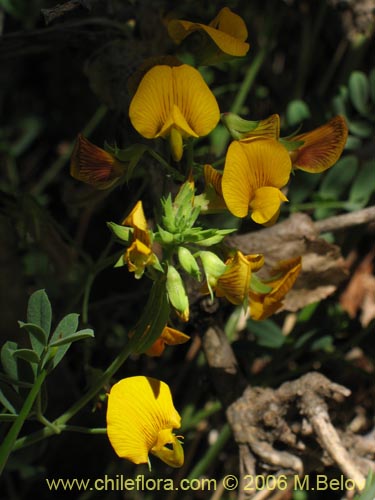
{"x":213,"y":267}
{"x":177,"y":294}
{"x":188,"y":262}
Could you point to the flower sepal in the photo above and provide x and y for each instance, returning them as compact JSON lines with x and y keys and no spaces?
{"x":123,"y":233}
{"x":188,"y":262}
{"x":241,"y":129}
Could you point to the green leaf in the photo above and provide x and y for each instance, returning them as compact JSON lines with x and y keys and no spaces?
{"x":338,"y":178}
{"x":39,"y":313}
{"x":153,"y":319}
{"x":121,"y":232}
{"x":296,"y":112}
{"x":364,"y":184}
{"x":9,"y":363}
{"x":66,"y":327}
{"x":369,"y":491}
{"x":352,"y":143}
{"x":267,"y":333}
{"x":34,"y":331}
{"x":28,"y":355}
{"x":371,"y":79}
{"x":82,"y":334}
{"x":7,"y":394}
{"x":359,"y":91}
{"x":360,"y":128}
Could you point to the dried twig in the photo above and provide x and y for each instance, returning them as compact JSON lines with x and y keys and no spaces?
{"x":343,"y":221}
{"x":261,"y":418}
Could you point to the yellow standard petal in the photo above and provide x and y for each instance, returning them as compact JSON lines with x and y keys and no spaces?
{"x":250,"y":166}
{"x":140,"y":420}
{"x":322,"y":147}
{"x":174,"y":101}
{"x":227,"y":30}
{"x":234,"y":284}
{"x":169,"y":336}
{"x":93,"y":165}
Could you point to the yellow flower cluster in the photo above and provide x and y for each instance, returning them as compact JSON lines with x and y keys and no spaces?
{"x":173,"y":102}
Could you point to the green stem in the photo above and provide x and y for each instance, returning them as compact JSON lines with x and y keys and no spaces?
{"x":61,"y":161}
{"x":174,"y":173}
{"x":191,"y":423}
{"x":47,"y":432}
{"x":189,"y":155}
{"x":10,"y":439}
{"x":249,"y":80}
{"x":212,"y":453}
{"x":101,"y":381}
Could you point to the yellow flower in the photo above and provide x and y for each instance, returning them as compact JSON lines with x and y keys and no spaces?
{"x":263,"y":305}
{"x":173,"y":102}
{"x":169,"y":336}
{"x":322,"y":147}
{"x":94,"y":165}
{"x":139,"y":254}
{"x":234,"y":284}
{"x":140,"y":420}
{"x":227,"y":31}
{"x":233,"y":278}
{"x":254,"y":172}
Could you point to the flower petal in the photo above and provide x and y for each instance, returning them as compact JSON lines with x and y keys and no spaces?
{"x":93,"y":165}
{"x":228,"y":31}
{"x":250,"y":165}
{"x":213,"y":177}
{"x":152,"y":103}
{"x":234,"y":284}
{"x":173,"y":97}
{"x":266,"y":204}
{"x":136,"y":218}
{"x":139,"y":408}
{"x":264,"y":305}
{"x":237,"y":182}
{"x":322,"y":146}
{"x":195,"y":100}
{"x":169,"y":336}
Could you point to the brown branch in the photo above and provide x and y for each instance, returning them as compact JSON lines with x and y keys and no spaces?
{"x":343,"y":221}
{"x":60,"y":10}
{"x":262,"y":418}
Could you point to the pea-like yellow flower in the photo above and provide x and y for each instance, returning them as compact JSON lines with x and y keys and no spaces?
{"x":254,"y":172}
{"x":140,"y":420}
{"x":233,"y":278}
{"x":174,"y":102}
{"x":263,"y":305}
{"x":234,"y":283}
{"x":93,"y":165}
{"x":169,"y":336}
{"x":139,"y":254}
{"x":227,"y":31}
{"x":321,"y":147}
